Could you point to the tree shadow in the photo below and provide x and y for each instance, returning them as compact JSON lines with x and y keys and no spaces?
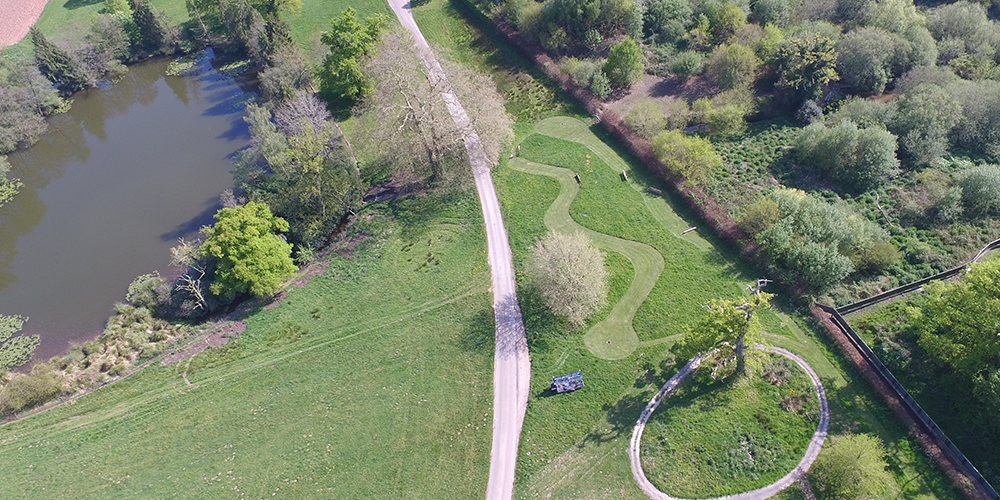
{"x":192,"y":225}
{"x":478,"y":334}
{"x":76,"y":4}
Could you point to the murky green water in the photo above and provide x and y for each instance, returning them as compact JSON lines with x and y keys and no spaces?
{"x":108,"y":190}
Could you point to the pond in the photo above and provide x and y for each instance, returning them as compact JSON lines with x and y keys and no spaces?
{"x":108,"y":190}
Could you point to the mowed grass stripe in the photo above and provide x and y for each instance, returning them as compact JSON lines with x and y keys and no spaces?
{"x":614,"y":337}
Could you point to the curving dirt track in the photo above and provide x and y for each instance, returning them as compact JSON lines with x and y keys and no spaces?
{"x":812,"y":451}
{"x":16,"y":18}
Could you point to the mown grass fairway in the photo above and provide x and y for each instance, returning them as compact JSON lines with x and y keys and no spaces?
{"x":372,"y":381}
{"x":574,"y":445}
{"x":712,"y":438}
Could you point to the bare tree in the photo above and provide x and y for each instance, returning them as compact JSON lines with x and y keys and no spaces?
{"x":423,"y":142}
{"x":485,"y":106}
{"x":188,"y":254}
{"x":415,"y":132}
{"x":570,"y":275}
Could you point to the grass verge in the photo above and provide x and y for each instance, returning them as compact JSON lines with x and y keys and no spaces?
{"x":372,"y":381}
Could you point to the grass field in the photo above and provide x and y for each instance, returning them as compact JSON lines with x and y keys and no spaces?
{"x":372,"y":381}
{"x":715,"y":438}
{"x":573,"y":446}
{"x":62,"y":17}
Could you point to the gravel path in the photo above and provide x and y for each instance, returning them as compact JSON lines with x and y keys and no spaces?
{"x":511,"y":366}
{"x":815,"y":445}
{"x":16,"y":18}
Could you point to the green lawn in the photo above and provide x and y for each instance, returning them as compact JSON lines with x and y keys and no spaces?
{"x":372,"y":381}
{"x":714,"y":438}
{"x":573,"y":446}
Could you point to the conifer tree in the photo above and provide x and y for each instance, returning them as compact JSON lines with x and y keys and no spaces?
{"x":59,"y":65}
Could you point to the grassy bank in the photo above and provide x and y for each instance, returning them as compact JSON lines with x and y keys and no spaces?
{"x":372,"y":381}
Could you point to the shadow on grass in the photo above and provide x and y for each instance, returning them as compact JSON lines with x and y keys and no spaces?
{"x":76,"y":4}
{"x":478,"y":334}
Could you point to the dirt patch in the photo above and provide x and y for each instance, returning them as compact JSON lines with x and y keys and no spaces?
{"x":17,"y":18}
{"x":219,"y":336}
{"x":664,"y":90}
{"x":277,"y":300}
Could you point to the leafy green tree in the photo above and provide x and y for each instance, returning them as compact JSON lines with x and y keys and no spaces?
{"x":574,"y":16}
{"x":8,"y":186}
{"x":668,"y":20}
{"x":923,"y":121}
{"x":158,"y":35}
{"x":58,"y":65}
{"x":250,"y":256}
{"x":687,"y":64}
{"x":733,"y":327}
{"x":965,"y":21}
{"x":724,"y":19}
{"x":923,"y":48}
{"x":351,"y":42}
{"x":866,"y":59}
{"x":692,"y":158}
{"x":806,"y":65}
{"x":979,"y":125}
{"x":600,"y":85}
{"x":733,"y":66}
{"x":122,"y":11}
{"x":569,"y":274}
{"x":957,"y":327}
{"x":759,"y":216}
{"x":776,"y":12}
{"x":624,"y":65}
{"x":859,"y":159}
{"x":981,"y":190}
{"x":851,"y":467}
{"x":646,"y":118}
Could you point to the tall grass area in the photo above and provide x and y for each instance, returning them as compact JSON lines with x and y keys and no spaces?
{"x":372,"y":381}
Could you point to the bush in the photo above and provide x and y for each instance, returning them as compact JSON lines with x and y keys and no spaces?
{"x":646,"y":118}
{"x":809,"y":112}
{"x":27,"y":391}
{"x":859,"y":159}
{"x":600,"y":85}
{"x":759,"y":216}
{"x":624,"y":65}
{"x":733,"y":66}
{"x":687,"y":64}
{"x":583,"y":73}
{"x":692,"y":158}
{"x":981,"y":190}
{"x":142,"y":292}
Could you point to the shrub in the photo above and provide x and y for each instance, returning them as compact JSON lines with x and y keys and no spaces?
{"x":624,"y":65}
{"x":687,"y":64}
{"x":981,"y":190}
{"x":809,"y":112}
{"x":760,"y":216}
{"x":733,"y":66}
{"x":26,"y":391}
{"x":600,"y":85}
{"x":646,"y":118}
{"x":851,"y":466}
{"x":583,"y":73}
{"x":692,"y":158}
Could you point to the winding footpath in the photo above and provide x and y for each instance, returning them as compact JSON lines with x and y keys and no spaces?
{"x":511,"y":365}
{"x":812,"y":451}
{"x":614,"y":338}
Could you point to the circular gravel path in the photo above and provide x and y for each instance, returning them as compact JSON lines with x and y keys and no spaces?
{"x":815,"y":445}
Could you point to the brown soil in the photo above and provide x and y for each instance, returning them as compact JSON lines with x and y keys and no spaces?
{"x":664,"y":90}
{"x":16,"y":18}
{"x":218,"y":336}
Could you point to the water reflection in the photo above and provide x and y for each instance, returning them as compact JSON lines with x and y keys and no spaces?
{"x":108,"y":190}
